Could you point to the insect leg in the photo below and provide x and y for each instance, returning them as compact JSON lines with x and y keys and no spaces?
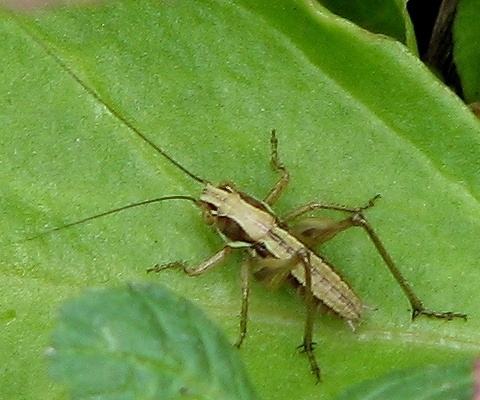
{"x":281,"y":185}
{"x":314,"y":231}
{"x":320,"y":206}
{"x":245,"y":274}
{"x":318,"y":230}
{"x":209,"y":263}
{"x":308,"y":343}
{"x":417,"y":305}
{"x":273,"y":272}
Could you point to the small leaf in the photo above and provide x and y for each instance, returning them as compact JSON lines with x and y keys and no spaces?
{"x":143,"y":342}
{"x":439,"y":382}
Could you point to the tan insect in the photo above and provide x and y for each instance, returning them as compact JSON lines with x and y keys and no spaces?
{"x":276,"y":251}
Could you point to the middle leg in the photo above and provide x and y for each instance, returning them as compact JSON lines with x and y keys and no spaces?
{"x":272,"y":272}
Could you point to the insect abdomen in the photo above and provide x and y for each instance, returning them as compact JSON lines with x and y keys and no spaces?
{"x":330,"y":289}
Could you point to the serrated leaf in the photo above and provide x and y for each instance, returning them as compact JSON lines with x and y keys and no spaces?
{"x":433,"y":382}
{"x":466,"y":49}
{"x":143,"y":342}
{"x":356,"y":115}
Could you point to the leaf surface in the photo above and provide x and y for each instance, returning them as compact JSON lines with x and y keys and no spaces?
{"x":356,"y":115}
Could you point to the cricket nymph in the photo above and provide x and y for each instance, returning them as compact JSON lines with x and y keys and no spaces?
{"x":278,"y":250}
{"x":244,"y":221}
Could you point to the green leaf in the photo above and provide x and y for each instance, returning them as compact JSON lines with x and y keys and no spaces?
{"x":466,"y":51}
{"x":436,"y":382}
{"x":143,"y":342}
{"x":356,"y":114}
{"x":388,"y":17}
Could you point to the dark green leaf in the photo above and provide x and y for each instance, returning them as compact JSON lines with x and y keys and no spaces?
{"x":143,"y":342}
{"x":466,"y":49}
{"x":433,"y":382}
{"x":387,"y":17}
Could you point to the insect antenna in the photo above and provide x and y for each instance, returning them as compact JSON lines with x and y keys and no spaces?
{"x":92,"y":92}
{"x":158,"y":149}
{"x":113,"y":211}
{"x":135,"y":130}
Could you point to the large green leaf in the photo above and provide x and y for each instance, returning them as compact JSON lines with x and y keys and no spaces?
{"x":356,"y":115}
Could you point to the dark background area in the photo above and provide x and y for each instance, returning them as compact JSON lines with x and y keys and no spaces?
{"x":433,"y":21}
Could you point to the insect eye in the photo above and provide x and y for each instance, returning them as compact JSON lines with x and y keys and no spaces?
{"x":209,"y":218}
{"x":209,"y":212}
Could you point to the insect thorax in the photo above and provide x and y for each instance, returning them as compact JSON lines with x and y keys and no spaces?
{"x":237,"y":216}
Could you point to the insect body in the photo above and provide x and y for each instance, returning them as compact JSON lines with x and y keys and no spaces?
{"x":276,"y":250}
{"x":274,"y":253}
